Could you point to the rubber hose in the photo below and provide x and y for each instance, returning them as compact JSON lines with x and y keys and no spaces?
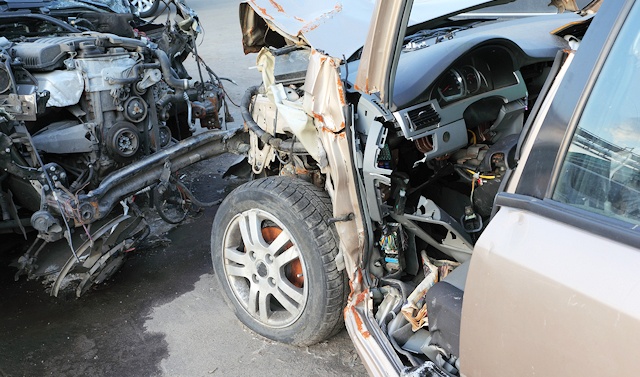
{"x":192,"y":197}
{"x":168,"y":74}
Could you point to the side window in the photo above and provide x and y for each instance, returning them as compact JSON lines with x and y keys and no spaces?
{"x":601,"y":171}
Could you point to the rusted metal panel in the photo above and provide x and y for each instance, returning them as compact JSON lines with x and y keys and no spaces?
{"x":336,"y":27}
{"x":324,"y":100}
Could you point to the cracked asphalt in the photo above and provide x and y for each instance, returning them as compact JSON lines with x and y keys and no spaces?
{"x":162,"y":314}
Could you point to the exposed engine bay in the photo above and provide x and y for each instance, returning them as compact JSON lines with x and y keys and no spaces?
{"x":429,"y":166}
{"x":92,"y":108}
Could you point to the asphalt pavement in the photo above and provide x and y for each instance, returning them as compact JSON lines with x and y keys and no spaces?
{"x":162,"y":314}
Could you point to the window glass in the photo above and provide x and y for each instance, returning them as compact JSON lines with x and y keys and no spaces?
{"x":601,"y":172}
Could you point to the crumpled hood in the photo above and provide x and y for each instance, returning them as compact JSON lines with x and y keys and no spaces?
{"x":333,"y":26}
{"x":337,"y":27}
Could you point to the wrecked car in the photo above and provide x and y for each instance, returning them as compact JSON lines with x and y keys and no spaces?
{"x":463,"y":188}
{"x":93,"y":103}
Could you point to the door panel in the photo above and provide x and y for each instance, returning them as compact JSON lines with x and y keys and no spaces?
{"x":548,"y":299}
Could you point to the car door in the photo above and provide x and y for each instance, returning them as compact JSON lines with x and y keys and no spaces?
{"x":553,"y":287}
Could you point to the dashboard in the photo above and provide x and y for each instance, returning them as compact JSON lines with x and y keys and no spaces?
{"x":469,"y":91}
{"x":484,"y":70}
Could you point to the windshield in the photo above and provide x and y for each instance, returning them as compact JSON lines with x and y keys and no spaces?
{"x":422,"y":9}
{"x":528,"y":6}
{"x":117,"y":6}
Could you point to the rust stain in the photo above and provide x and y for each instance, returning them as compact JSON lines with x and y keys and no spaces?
{"x":300,"y":19}
{"x":361,"y":297}
{"x":262,"y":10}
{"x":315,"y":23}
{"x":318,"y":117}
{"x":341,"y":91}
{"x":359,"y":323}
{"x":277,"y":6}
{"x":356,"y":278}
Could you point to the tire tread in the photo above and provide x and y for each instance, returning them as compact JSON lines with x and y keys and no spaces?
{"x":314,"y":205}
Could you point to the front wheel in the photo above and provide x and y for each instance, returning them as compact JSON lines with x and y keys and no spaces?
{"x":274,"y":255}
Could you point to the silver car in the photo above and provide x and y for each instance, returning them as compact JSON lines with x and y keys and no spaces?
{"x":458,"y":181}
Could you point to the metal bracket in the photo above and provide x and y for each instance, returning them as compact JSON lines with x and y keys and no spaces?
{"x":164,"y":177}
{"x":347,"y":217}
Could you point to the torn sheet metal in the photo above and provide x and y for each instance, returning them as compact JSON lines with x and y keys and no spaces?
{"x":322,"y":24}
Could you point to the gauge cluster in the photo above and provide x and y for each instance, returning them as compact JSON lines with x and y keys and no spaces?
{"x":460,"y":82}
{"x":483,"y":70}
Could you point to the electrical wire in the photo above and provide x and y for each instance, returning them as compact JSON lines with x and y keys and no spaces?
{"x":55,"y":196}
{"x":480,"y":175}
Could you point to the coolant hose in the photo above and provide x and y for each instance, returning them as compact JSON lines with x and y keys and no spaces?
{"x":192,"y":197}
{"x":168,"y":74}
{"x":248,"y":118}
{"x":171,"y":98}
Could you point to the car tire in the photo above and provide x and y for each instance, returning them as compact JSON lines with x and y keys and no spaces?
{"x":293,"y":294}
{"x":146,"y":8}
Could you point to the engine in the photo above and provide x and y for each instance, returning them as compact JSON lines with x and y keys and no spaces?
{"x":87,"y":120}
{"x":100,"y":98}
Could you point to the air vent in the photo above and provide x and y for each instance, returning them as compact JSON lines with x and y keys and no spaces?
{"x":423,"y":117}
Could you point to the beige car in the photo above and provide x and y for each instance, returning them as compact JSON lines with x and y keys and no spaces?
{"x":458,"y":181}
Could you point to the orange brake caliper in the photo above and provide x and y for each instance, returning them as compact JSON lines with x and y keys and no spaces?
{"x":293,"y":271}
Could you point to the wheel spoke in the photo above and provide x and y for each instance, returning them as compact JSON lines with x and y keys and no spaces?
{"x":242,"y":271}
{"x":252,"y":302}
{"x":285,"y":302}
{"x":291,"y":291}
{"x":279,"y":242}
{"x":287,"y":256}
{"x":250,"y":228}
{"x":236,"y":256}
{"x":263,"y":306}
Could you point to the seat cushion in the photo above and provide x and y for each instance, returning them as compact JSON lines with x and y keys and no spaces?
{"x":444,"y":308}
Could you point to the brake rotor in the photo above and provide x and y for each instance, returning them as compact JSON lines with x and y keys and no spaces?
{"x":293,"y":270}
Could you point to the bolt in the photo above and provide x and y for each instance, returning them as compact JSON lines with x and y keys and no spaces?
{"x":52,"y":168}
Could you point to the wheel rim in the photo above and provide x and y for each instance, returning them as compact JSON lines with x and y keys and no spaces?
{"x":142,"y":5}
{"x":264,"y":268}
